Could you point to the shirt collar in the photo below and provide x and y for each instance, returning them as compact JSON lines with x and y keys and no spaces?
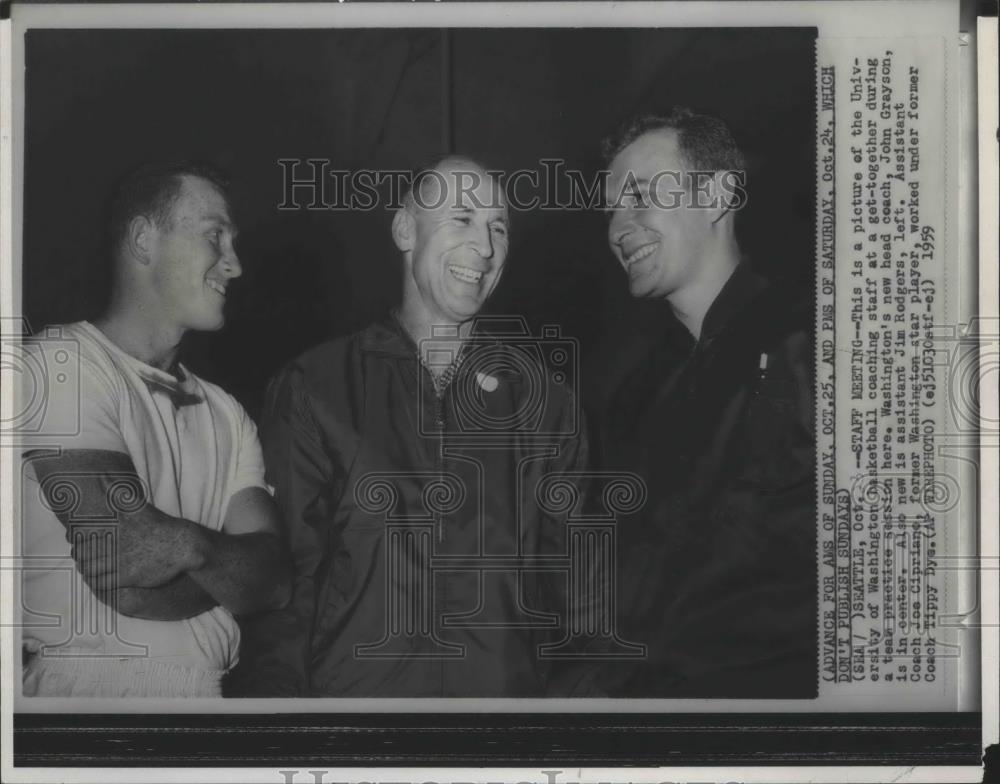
{"x":179,"y":386}
{"x":181,"y":389}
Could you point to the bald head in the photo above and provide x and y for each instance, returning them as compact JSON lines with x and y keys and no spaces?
{"x":454,"y":180}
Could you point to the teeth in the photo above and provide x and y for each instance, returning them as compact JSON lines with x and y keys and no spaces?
{"x":216,"y":286}
{"x":641,"y":253}
{"x":465,"y":274}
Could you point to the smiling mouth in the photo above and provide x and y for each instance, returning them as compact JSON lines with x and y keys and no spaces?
{"x":641,"y":253}
{"x":465,"y":274}
{"x":217,"y":287}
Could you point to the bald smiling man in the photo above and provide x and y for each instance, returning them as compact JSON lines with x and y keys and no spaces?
{"x":372,"y":442}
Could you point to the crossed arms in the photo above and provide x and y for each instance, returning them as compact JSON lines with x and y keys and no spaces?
{"x":163,"y":567}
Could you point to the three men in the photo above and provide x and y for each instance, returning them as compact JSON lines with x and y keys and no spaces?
{"x":158,"y":498}
{"x":405,"y":459}
{"x":712,"y":404}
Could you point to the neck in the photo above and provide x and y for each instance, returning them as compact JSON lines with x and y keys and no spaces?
{"x":129,"y":326}
{"x":691,"y":303}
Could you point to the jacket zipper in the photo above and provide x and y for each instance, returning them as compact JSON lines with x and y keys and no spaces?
{"x":439,"y":462}
{"x":439,"y":457}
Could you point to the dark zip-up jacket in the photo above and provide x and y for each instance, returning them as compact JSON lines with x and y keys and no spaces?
{"x":718,"y":570}
{"x":376,"y":475}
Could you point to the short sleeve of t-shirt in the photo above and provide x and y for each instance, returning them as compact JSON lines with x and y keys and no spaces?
{"x":76,"y":404}
{"x":249,"y":457}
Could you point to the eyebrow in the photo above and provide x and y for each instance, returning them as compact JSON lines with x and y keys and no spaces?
{"x":464,"y":209}
{"x":221,"y":220}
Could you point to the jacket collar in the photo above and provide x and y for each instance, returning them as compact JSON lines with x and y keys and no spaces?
{"x":743,"y":287}
{"x":388,"y":338}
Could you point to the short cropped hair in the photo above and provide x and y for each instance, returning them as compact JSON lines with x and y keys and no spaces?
{"x":151,"y":191}
{"x":705,"y":141}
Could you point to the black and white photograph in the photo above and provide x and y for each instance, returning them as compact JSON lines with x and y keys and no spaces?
{"x":423,"y":374}
{"x":382,"y":367}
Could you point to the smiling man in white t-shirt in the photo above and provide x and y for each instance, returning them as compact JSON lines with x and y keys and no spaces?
{"x":157,"y":499}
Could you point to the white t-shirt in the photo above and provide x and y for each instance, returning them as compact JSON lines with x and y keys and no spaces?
{"x":192,"y":444}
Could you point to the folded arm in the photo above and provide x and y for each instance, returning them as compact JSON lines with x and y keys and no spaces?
{"x":155,"y":565}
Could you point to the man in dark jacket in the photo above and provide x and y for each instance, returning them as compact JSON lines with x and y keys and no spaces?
{"x":405,"y":460}
{"x":711,"y":402}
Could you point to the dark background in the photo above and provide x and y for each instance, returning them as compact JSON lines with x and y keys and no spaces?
{"x":99,"y":102}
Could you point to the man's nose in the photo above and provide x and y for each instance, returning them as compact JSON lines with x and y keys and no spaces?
{"x":620,"y":226}
{"x":482,"y":242}
{"x":231,"y":264}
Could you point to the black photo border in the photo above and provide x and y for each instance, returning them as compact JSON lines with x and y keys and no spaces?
{"x":312,"y":740}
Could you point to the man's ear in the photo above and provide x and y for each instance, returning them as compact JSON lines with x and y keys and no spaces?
{"x":403,"y":229}
{"x":139,"y":238}
{"x":728,"y":194}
